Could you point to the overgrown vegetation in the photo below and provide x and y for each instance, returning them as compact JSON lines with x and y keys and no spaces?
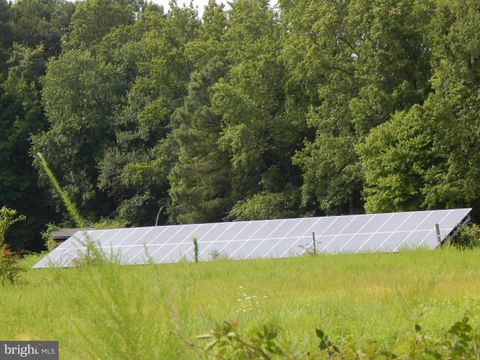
{"x":460,"y":341}
{"x":468,"y":237}
{"x":226,"y":341}
{"x":49,"y":241}
{"x":366,"y":304}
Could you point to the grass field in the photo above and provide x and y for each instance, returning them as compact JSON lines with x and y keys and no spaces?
{"x":138,"y":312}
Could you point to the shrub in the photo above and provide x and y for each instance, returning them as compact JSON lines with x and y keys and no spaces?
{"x":226,"y":341}
{"x":47,"y":237}
{"x":118,"y":318}
{"x":8,"y":217}
{"x":267,"y":205}
{"x":217,"y":255}
{"x":10,"y":268}
{"x":468,"y":237}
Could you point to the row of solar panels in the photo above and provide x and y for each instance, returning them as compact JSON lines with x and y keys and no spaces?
{"x":264,"y":239}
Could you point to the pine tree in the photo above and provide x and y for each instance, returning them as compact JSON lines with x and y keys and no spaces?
{"x":200,"y":181}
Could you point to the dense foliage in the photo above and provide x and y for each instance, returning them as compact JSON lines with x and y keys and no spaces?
{"x":307,"y":108}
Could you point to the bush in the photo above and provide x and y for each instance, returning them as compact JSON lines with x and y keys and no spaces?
{"x":10,"y":268}
{"x":48,"y":239}
{"x":267,"y":205}
{"x":8,"y":217}
{"x":468,"y":237}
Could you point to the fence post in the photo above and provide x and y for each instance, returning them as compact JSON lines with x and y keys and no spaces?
{"x":314,"y":243}
{"x":195,"y":249}
{"x":437,"y":231}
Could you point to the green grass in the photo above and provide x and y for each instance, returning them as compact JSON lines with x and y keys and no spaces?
{"x":136,"y":312}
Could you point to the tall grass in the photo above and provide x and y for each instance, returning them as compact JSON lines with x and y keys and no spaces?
{"x":122,"y":316}
{"x":119,"y":312}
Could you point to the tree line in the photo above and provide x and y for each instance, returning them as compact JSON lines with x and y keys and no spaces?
{"x":313,"y":107}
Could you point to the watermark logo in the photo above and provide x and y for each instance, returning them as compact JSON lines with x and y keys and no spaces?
{"x":30,"y":350}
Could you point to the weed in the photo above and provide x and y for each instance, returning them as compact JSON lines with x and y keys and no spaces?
{"x":72,"y":210}
{"x":91,"y":255}
{"x":248,"y":303}
{"x":326,"y":344}
{"x":116,"y":319}
{"x":459,"y":342}
{"x":217,"y":255}
{"x":226,"y":341}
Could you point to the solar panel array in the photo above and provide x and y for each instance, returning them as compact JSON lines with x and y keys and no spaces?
{"x":263,"y":239}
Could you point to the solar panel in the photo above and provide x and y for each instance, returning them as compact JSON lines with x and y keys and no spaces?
{"x":264,"y":239}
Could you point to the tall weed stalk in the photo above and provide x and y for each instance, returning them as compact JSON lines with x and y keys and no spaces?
{"x":92,"y":255}
{"x":72,"y":210}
